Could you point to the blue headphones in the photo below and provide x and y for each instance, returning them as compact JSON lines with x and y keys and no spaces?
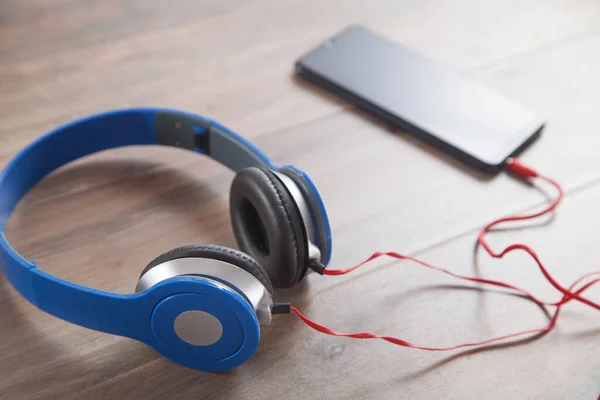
{"x":198,"y":305}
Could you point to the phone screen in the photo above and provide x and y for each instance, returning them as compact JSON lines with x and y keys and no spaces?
{"x":418,"y":95}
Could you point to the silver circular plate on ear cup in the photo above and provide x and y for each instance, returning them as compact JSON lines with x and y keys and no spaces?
{"x":198,"y":328}
{"x":229,"y":275}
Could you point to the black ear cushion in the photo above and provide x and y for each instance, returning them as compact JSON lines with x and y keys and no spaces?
{"x":220,"y":253}
{"x":319,"y":218}
{"x":268,"y":225}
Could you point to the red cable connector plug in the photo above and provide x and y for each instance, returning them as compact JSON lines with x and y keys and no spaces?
{"x":515,"y":166}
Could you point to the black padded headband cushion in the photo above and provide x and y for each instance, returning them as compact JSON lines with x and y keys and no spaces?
{"x":268,"y":225}
{"x":219,"y":253}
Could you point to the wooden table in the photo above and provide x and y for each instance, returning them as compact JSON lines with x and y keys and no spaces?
{"x":101,"y":220}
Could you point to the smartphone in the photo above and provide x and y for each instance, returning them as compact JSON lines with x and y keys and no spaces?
{"x":422,"y":97}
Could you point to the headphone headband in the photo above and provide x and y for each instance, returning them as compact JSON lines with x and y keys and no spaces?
{"x":142,"y":126}
{"x":92,"y":308}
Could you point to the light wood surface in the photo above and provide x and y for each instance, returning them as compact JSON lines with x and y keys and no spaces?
{"x":99,"y":221}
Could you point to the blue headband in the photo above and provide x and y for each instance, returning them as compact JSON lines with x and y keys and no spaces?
{"x":124,"y":315}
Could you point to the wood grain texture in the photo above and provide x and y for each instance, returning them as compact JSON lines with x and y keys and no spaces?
{"x":99,"y":221}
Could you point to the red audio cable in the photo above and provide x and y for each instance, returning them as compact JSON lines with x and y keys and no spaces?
{"x":570,"y":293}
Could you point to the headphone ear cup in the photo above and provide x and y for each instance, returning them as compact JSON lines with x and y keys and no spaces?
{"x":268,"y":225}
{"x":220,"y":253}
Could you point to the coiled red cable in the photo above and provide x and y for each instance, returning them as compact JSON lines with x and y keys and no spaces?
{"x":571,"y":293}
